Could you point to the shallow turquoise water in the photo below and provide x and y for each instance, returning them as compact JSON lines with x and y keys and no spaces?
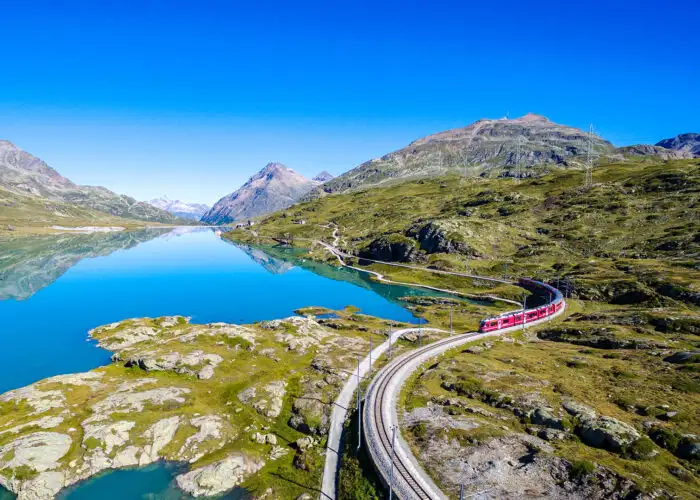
{"x":59,"y":289}
{"x":154,"y":482}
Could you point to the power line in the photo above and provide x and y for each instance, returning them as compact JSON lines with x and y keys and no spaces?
{"x":370,"y":355}
{"x":517,"y":159}
{"x":451,"y":331}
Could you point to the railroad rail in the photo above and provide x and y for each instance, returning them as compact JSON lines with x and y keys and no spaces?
{"x":380,"y":415}
{"x":392,"y":458}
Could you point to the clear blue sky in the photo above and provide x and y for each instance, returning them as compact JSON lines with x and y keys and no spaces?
{"x":190,"y":98}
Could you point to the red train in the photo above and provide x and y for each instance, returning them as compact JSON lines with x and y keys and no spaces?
{"x":513,"y":318}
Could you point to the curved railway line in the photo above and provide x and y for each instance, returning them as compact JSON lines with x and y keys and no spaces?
{"x":392,"y":458}
{"x":380,"y":414}
{"x":379,"y":428}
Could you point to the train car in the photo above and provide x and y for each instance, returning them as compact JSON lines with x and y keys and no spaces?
{"x":507,"y":320}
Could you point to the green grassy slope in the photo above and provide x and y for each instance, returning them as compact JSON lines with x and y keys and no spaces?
{"x":625,"y":251}
{"x":34,"y":214}
{"x":638,"y":223}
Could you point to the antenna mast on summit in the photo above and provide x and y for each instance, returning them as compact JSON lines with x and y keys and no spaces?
{"x":517,"y":159}
{"x":588,"y":180}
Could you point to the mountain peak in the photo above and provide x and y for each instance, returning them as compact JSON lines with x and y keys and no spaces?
{"x":487,"y":147}
{"x":274,"y":167}
{"x":323,"y":176}
{"x":273,"y":188}
{"x":532,"y":117}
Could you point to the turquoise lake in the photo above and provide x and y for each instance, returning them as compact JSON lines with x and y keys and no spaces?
{"x":54,"y":289}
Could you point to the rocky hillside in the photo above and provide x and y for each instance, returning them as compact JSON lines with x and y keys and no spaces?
{"x":655,"y":152}
{"x":551,"y":226}
{"x":274,"y":188}
{"x":689,"y":143}
{"x":193,"y":211}
{"x":24,"y":174}
{"x":486,"y":148}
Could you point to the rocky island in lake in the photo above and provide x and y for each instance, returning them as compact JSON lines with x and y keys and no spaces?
{"x":231,"y":401}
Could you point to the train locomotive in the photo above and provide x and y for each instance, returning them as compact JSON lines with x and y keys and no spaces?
{"x":513,"y":318}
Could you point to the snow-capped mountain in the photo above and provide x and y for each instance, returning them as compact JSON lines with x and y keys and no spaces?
{"x":192,"y":211}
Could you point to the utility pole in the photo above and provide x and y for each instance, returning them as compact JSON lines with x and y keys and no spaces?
{"x":359,"y":407}
{"x":390,"y":334}
{"x":461,"y":492}
{"x":391,"y":470}
{"x":420,"y":332}
{"x":370,"y":354}
{"x":588,"y":181}
{"x":451,"y":320}
{"x":517,"y":159}
{"x":524,"y":306}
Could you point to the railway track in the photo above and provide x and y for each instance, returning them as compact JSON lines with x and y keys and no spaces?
{"x":408,"y":482}
{"x":393,"y":460}
{"x":380,"y":414}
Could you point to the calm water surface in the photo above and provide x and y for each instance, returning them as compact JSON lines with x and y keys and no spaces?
{"x":56,"y":289}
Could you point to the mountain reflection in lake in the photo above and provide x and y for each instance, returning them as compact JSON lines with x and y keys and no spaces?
{"x":56,"y":288}
{"x":30,"y":263}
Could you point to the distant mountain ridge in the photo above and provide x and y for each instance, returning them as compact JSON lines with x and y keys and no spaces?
{"x":25,"y":174}
{"x":654,"y":152}
{"x":273,"y":188}
{"x":487,"y":147}
{"x":193,"y":211}
{"x":689,"y":143}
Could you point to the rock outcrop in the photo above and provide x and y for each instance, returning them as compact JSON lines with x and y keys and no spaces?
{"x":598,"y":337}
{"x":392,"y":248}
{"x":220,"y":476}
{"x":683,"y":357}
{"x":197,"y":362}
{"x":601,"y":431}
{"x":514,"y":466}
{"x":267,"y":400}
{"x":434,"y":238}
